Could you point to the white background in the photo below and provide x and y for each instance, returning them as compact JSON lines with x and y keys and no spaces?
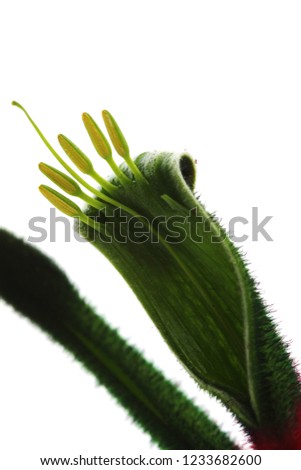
{"x":219,"y":79}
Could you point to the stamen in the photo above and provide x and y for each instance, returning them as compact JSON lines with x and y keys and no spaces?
{"x":61,"y":202}
{"x":62,"y":162}
{"x":120,"y":144}
{"x":68,"y":185}
{"x":67,"y":206}
{"x":83,"y":163}
{"x":78,"y":157}
{"x":100,"y":195}
{"x":60,"y":179}
{"x":99,"y":140}
{"x":56,"y":155}
{"x":102,"y":146}
{"x":116,"y":136}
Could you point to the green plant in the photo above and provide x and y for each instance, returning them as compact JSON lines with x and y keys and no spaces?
{"x":196,"y":288}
